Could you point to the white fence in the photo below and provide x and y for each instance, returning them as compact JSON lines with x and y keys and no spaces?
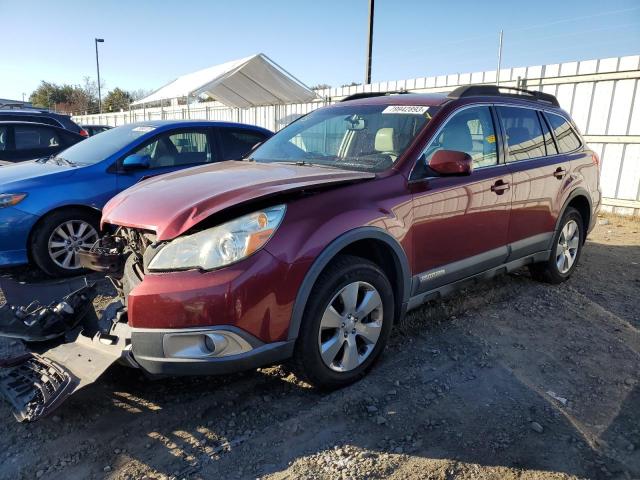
{"x":602,"y":96}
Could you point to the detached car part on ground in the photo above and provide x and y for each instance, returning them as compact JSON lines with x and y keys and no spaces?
{"x":311,"y":249}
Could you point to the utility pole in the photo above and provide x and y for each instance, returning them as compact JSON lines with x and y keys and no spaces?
{"x":99,"y":40}
{"x":367,"y":74}
{"x":499,"y":58}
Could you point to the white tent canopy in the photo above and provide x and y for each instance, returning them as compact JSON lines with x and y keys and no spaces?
{"x":248,"y":82}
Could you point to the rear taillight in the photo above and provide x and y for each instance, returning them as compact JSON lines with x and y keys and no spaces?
{"x":83,"y":132}
{"x":596,"y":159}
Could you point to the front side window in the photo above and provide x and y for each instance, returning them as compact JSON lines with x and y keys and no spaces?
{"x":352,"y":137}
{"x":177,"y":149}
{"x":470,"y":131}
{"x":566,"y":137}
{"x":35,"y":138}
{"x":523,"y":133}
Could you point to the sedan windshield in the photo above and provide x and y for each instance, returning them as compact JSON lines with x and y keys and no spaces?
{"x":357,"y":137}
{"x":98,"y":148}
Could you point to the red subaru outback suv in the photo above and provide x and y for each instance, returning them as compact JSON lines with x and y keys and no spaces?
{"x":312,"y":248}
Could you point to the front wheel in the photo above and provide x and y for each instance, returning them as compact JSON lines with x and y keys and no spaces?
{"x":346,"y":323}
{"x":565,"y":250}
{"x":59,"y":237}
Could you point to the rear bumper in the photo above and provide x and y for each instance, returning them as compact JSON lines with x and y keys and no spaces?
{"x":150,"y":352}
{"x":15,"y":226}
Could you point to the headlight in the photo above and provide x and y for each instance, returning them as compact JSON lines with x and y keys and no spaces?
{"x":11,"y":199}
{"x":221,"y":245}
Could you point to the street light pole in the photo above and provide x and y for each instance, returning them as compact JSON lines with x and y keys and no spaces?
{"x":99,"y":40}
{"x":367,"y":74}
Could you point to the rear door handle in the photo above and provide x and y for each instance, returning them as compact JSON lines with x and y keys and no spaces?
{"x":559,"y":173}
{"x":500,"y":187}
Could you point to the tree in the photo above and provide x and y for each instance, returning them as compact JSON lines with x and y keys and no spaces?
{"x":48,"y":94}
{"x":352,"y":84}
{"x":116,"y":100}
{"x":66,"y":98}
{"x":320,"y":86}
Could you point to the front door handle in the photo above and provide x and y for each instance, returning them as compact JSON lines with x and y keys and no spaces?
{"x":500,"y":187}
{"x":559,"y":173}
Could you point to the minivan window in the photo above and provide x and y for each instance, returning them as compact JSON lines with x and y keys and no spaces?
{"x":523,"y":133}
{"x":351,"y":137}
{"x":470,"y":131}
{"x":28,"y":137}
{"x":567,"y":139}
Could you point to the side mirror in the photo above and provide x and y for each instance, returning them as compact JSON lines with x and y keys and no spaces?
{"x":451,"y":162}
{"x":135,"y":162}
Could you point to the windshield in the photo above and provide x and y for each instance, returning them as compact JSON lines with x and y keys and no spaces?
{"x":95,"y":149}
{"x":356,"y":137}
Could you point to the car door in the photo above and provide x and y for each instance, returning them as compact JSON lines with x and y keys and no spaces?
{"x":460,"y":222}
{"x":170,"y":151}
{"x":538,"y":172}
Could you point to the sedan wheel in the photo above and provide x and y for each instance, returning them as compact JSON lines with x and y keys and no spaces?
{"x":66,"y":241}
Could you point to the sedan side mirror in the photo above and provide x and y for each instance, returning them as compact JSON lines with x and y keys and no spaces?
{"x":451,"y":162}
{"x":135,"y":162}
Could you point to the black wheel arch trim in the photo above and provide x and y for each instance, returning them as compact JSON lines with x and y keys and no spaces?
{"x":577,"y":192}
{"x":329,"y":253}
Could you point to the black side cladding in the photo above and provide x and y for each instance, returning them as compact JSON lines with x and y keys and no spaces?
{"x":36,"y":387}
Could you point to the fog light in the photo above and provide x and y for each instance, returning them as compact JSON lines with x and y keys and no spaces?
{"x":199,"y":344}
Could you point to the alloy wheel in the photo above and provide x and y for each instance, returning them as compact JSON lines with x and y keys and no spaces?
{"x":567,"y":248}
{"x":350,"y":326}
{"x":66,"y":241}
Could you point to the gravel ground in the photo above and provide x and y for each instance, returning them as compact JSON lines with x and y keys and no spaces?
{"x":511,"y":379}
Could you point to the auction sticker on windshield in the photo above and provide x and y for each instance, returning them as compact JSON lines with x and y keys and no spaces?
{"x":412,"y":109}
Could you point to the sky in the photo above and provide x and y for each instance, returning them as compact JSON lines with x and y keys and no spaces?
{"x":149,"y":43}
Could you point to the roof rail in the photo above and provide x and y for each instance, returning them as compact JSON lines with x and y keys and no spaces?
{"x":497,"y":90}
{"x":357,"y":96}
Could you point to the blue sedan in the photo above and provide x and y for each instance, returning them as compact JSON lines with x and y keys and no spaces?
{"x":50,"y":207}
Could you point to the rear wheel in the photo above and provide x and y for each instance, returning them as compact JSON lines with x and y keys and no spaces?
{"x":58,"y":238}
{"x":346,"y":324}
{"x":565,"y":252}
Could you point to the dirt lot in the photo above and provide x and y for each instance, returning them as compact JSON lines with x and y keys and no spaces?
{"x":512,"y":379}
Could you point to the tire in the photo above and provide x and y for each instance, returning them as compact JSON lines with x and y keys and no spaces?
{"x":48,"y":246}
{"x":351,"y":343}
{"x":565,"y":251}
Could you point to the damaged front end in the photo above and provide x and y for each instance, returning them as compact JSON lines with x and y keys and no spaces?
{"x":52,"y":343}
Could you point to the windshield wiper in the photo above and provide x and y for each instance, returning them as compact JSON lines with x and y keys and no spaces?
{"x":44,"y":159}
{"x":63,"y":161}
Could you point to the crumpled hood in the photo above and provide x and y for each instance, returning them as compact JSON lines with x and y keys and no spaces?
{"x":170,"y":204}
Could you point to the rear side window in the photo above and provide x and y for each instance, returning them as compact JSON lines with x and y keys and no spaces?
{"x":236,"y":143}
{"x":523,"y":133}
{"x":34,"y":137}
{"x":567,"y":139}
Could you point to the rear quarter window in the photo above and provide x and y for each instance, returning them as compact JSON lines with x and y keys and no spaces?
{"x":236,"y":143}
{"x":566,"y":137}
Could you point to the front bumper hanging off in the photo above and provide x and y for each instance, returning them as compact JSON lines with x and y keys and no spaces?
{"x":49,"y":351}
